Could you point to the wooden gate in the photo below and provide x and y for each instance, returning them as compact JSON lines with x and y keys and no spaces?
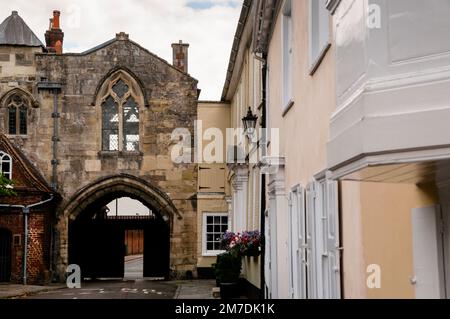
{"x":5,"y":255}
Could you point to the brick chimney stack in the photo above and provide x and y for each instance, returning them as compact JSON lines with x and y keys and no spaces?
{"x":180,"y":56}
{"x":54,"y":36}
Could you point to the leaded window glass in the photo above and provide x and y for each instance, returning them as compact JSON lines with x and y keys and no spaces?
{"x":120,"y":88}
{"x":23,"y":120}
{"x":17,"y":115}
{"x":110,"y":123}
{"x":12,"y":120}
{"x":120,"y":117}
{"x":131,"y":125}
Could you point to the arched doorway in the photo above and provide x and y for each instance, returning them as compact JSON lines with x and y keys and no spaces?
{"x":5,"y":255}
{"x":96,"y":241}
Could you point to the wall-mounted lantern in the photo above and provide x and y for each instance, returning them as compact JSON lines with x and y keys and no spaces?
{"x":250,"y":123}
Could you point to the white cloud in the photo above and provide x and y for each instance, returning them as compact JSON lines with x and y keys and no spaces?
{"x":154,"y":24}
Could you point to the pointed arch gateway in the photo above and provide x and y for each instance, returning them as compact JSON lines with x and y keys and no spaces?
{"x":96,"y":243}
{"x":120,"y":99}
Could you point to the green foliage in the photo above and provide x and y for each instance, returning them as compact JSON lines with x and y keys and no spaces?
{"x":228,"y":268}
{"x":6,"y":186}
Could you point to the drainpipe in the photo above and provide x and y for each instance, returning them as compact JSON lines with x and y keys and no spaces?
{"x":26,"y":212}
{"x":54,"y":88}
{"x":55,"y":139}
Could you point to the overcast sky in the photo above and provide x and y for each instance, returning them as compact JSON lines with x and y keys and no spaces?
{"x":207,"y":25}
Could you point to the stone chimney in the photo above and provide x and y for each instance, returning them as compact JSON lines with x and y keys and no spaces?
{"x":54,"y":36}
{"x":180,"y":56}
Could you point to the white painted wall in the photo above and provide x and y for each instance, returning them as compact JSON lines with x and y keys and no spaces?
{"x":392,"y":82}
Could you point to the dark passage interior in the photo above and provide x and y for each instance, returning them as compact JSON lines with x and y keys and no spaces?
{"x":5,"y":255}
{"x":101,"y":240}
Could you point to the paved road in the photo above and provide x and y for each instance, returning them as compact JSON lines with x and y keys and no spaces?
{"x":132,"y":287}
{"x":126,"y":289}
{"x":134,"y":268}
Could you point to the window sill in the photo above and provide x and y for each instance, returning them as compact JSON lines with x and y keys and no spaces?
{"x":213,"y":254}
{"x":114,"y":154}
{"x":288,"y":107}
{"x":11,"y":136}
{"x":315,"y":65}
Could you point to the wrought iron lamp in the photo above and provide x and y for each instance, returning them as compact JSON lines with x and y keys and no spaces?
{"x":250,"y":123}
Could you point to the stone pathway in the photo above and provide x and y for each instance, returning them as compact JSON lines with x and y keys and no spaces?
{"x":195,"y":289}
{"x":17,"y":291}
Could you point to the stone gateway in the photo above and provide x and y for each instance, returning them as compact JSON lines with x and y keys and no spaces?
{"x":97,"y":126}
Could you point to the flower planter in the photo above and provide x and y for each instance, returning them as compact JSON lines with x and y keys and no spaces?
{"x":254,"y":252}
{"x":246,"y":244}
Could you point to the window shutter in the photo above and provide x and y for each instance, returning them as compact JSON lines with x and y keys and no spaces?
{"x":333,"y":244}
{"x":268,"y":255}
{"x":212,"y":179}
{"x":291,"y":246}
{"x":310,"y":242}
{"x":301,"y":244}
{"x":205,"y":179}
{"x":322,"y":240}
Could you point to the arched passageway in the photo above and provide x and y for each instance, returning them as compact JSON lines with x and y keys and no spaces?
{"x":96,"y":241}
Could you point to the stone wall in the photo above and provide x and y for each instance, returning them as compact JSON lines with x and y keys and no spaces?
{"x":18,"y":70}
{"x":170,"y":102}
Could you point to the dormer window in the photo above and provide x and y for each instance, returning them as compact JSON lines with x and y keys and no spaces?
{"x":6,"y":165}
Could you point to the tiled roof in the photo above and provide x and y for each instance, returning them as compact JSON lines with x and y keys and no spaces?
{"x":14,"y":31}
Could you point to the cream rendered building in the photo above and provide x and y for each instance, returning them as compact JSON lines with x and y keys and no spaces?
{"x":302,"y":221}
{"x":270,"y":73}
{"x":213,"y":198}
{"x":244,"y":90}
{"x":356,"y":197}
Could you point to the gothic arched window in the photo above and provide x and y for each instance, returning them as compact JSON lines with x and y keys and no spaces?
{"x":6,"y":165}
{"x":120,"y":116}
{"x":17,"y":106}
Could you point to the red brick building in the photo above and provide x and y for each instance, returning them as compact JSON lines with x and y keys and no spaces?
{"x":31,"y":189}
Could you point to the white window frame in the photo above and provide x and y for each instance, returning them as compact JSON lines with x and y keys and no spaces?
{"x":8,"y":159}
{"x":205,"y":251}
{"x":287,"y":56}
{"x":319,"y":33}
